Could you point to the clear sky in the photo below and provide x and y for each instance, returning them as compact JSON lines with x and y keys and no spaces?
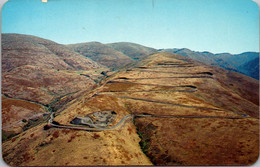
{"x":201,"y":25}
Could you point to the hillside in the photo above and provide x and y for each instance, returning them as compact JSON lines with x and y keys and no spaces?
{"x":41,"y":71}
{"x":135,"y":51}
{"x":102,"y":54}
{"x":167,"y":110}
{"x":251,"y":68}
{"x":199,"y":56}
{"x":228,"y":61}
{"x":17,"y":113}
{"x":42,"y":53}
{"x":237,"y":59}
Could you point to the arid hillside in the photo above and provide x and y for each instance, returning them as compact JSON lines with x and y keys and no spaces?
{"x":39,"y":71}
{"x":19,"y":50}
{"x":18,"y":115}
{"x":135,"y":51}
{"x":245,"y":63}
{"x":167,"y":110}
{"x":102,"y":54}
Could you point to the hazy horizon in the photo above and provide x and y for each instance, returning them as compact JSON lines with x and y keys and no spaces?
{"x":201,"y":25}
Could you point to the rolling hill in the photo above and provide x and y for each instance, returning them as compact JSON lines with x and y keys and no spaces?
{"x":167,"y":110}
{"x":237,"y":59}
{"x":102,"y":54}
{"x":227,"y":61}
{"x":41,"y":71}
{"x":251,"y":68}
{"x":19,"y":50}
{"x":135,"y":51}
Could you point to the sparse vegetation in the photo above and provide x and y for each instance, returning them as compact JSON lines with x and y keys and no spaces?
{"x":56,"y":134}
{"x":96,"y":136}
{"x":34,"y":122}
{"x":71,"y":138}
{"x":164,"y":139}
{"x":144,"y":143}
{"x":7,"y":135}
{"x":128,"y":108}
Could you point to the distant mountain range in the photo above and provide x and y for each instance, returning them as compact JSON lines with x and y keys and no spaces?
{"x":246,"y":63}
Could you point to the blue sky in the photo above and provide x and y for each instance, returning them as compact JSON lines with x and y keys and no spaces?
{"x":202,"y":25}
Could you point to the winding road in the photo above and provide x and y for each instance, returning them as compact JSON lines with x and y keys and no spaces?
{"x":96,"y":128}
{"x":123,"y":120}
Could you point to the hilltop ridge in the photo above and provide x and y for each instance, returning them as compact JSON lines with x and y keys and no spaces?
{"x":232,"y":62}
{"x":133,"y":50}
{"x":102,"y":53}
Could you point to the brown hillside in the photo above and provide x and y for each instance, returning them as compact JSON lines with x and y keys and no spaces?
{"x":43,"y":72}
{"x":191,"y":114}
{"x":102,"y":54}
{"x":19,"y":50}
{"x":135,"y":51}
{"x":16,"y":114}
{"x":43,"y":85}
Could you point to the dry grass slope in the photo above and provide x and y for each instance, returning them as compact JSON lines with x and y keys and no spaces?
{"x":225,"y":133}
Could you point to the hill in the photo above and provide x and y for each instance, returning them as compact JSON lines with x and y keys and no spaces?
{"x":199,"y":56}
{"x":135,"y":51}
{"x":102,"y":54}
{"x":183,"y":112}
{"x":251,"y":68}
{"x":17,"y":113}
{"x":19,"y":50}
{"x":238,"y":59}
{"x":41,"y":71}
{"x":227,"y":61}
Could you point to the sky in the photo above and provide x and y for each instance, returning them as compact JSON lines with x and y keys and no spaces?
{"x":201,"y":25}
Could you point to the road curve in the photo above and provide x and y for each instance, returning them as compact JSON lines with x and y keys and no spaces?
{"x":51,"y":124}
{"x":86,"y":128}
{"x":123,"y":120}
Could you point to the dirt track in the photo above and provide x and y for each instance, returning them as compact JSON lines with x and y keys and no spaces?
{"x":191,"y":88}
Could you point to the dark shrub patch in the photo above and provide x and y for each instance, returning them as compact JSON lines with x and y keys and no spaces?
{"x":96,"y":136}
